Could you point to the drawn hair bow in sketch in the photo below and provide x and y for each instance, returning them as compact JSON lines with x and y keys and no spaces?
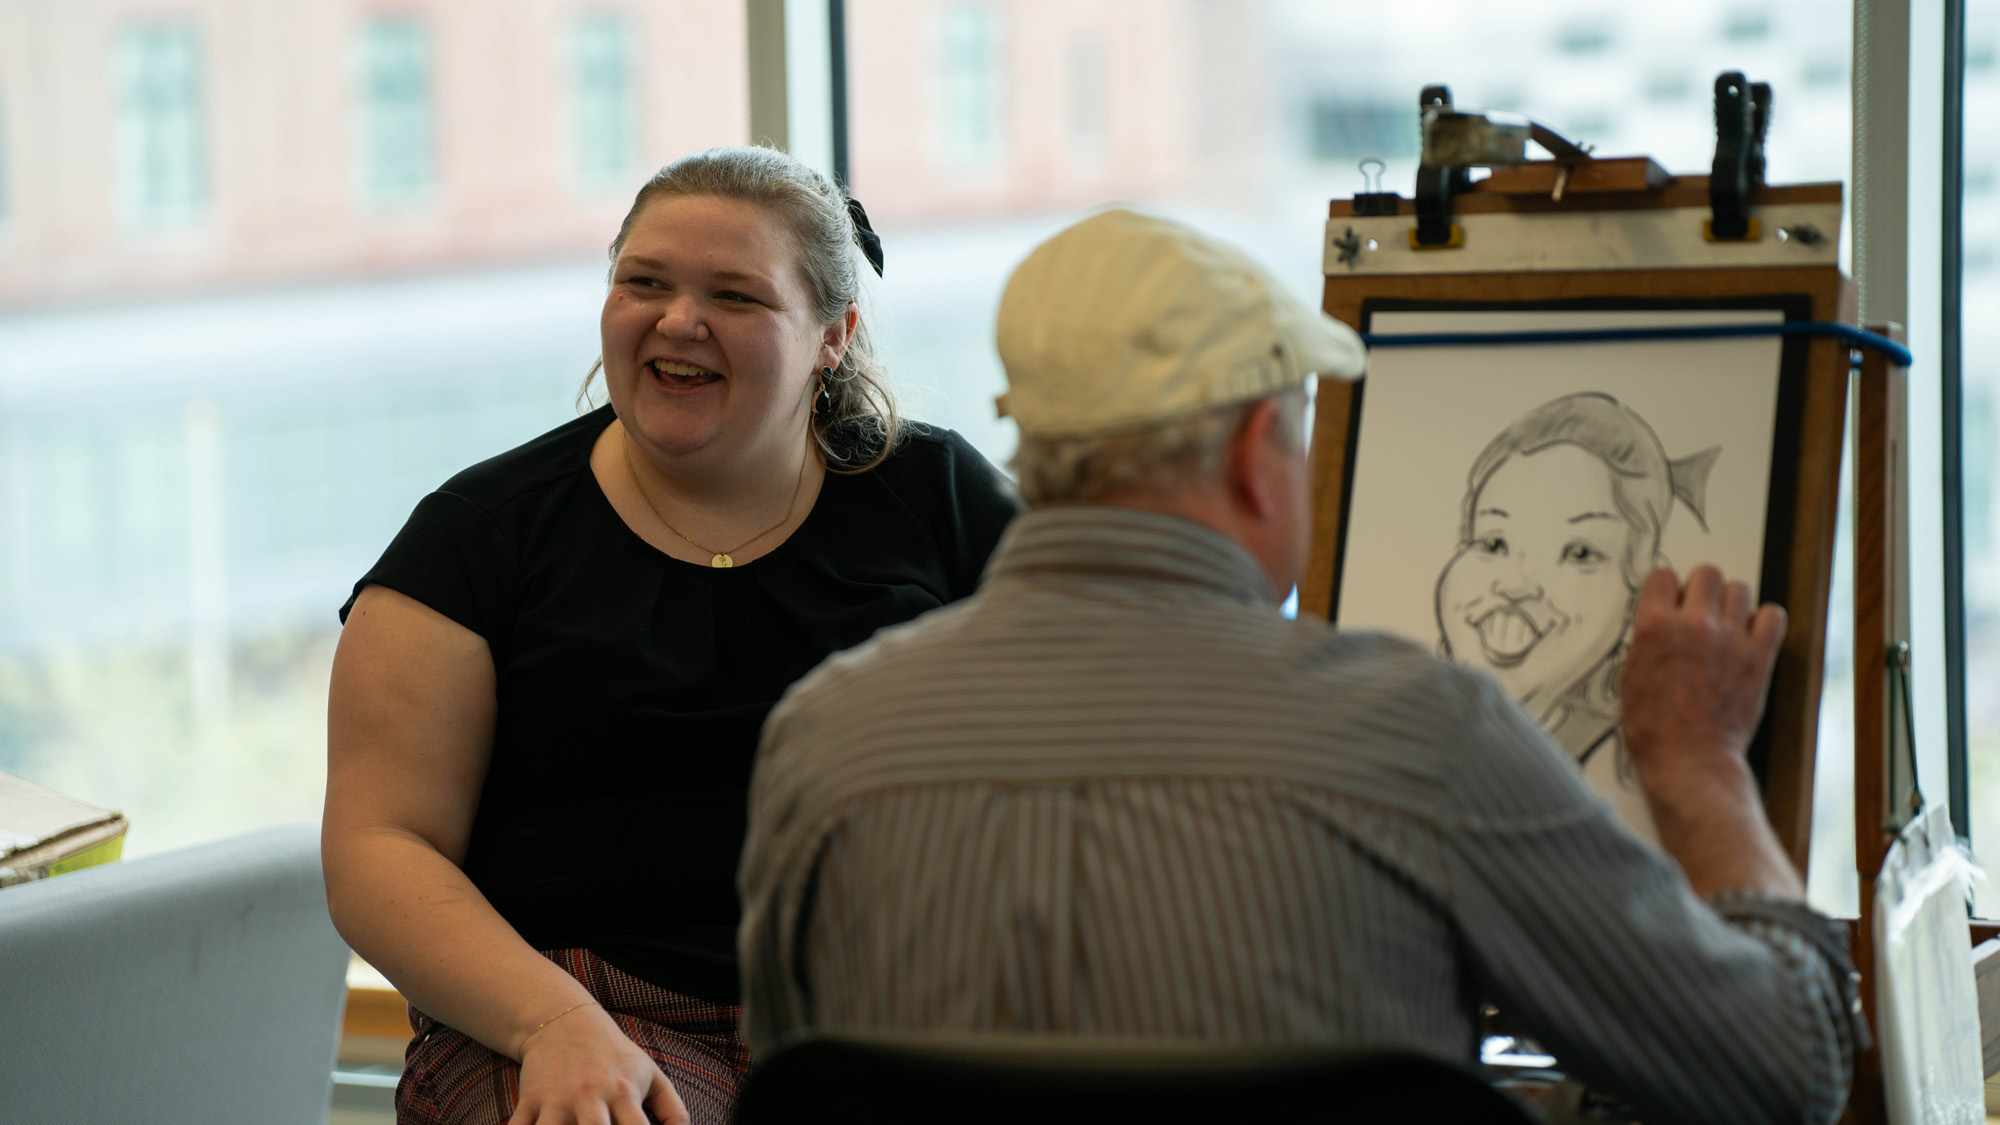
{"x":1688,"y":477}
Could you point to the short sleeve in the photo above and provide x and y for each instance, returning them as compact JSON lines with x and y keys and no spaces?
{"x":979,"y":504}
{"x":452,"y":557}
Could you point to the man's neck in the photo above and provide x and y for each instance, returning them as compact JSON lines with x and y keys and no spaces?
{"x":1204,"y":507}
{"x":1207,"y":507}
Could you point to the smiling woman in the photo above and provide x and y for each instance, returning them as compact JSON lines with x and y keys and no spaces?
{"x":549,"y":689}
{"x":712,"y":348}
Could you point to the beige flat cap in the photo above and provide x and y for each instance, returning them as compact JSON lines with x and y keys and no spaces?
{"x":1125,"y":320}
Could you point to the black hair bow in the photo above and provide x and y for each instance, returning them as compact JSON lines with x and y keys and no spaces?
{"x":864,"y":235}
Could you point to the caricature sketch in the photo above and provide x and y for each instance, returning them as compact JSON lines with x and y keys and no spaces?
{"x":1562,"y":519}
{"x":1506,"y":502}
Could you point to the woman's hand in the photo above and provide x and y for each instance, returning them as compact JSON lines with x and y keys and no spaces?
{"x":582,"y":1070}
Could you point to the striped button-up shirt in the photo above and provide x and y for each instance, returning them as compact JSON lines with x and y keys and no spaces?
{"x":1118,"y":793}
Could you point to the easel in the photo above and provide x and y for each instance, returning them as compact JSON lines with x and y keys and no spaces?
{"x":1572,"y":229}
{"x":1638,"y":237}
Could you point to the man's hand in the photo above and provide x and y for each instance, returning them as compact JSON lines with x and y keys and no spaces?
{"x":1694,"y":681}
{"x":1691,"y":694}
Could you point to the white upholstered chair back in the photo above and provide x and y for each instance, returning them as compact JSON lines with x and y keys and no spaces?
{"x":200,"y":986}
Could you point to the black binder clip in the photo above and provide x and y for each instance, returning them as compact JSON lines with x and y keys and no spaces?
{"x":1374,"y":201}
{"x":1742,"y":118}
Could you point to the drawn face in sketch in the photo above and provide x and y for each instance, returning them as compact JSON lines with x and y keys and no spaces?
{"x":1561,"y":520}
{"x":1538,"y":593}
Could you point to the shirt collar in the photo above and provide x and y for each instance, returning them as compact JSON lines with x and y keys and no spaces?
{"x":1127,"y":545}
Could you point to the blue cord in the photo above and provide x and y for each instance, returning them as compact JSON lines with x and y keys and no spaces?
{"x":1896,"y":352}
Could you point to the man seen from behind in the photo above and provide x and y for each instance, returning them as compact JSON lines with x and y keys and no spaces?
{"x":1119,"y":793}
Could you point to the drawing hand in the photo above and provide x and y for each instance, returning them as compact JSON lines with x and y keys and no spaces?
{"x":1693,"y":689}
{"x":1693,"y":686}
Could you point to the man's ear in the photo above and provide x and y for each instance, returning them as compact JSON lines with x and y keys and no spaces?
{"x":1253,"y":458}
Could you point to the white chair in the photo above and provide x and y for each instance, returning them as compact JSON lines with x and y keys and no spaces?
{"x":201,"y":986}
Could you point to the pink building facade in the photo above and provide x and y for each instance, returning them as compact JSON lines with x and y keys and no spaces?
{"x":280,"y":122}
{"x":972,"y":109}
{"x":158,"y":147}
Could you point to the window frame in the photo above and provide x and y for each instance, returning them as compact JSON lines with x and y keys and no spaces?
{"x":1951,"y":237}
{"x":1894,"y":210}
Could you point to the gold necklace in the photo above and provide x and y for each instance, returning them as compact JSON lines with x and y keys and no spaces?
{"x":722,"y":558}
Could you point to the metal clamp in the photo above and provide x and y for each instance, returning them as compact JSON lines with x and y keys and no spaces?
{"x":1455,"y":143}
{"x":1742,"y":118}
{"x":1436,"y":182}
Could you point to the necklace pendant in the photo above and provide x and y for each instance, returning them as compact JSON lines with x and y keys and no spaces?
{"x":721,"y":560}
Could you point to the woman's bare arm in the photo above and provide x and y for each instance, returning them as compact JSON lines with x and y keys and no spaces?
{"x":409,"y":735}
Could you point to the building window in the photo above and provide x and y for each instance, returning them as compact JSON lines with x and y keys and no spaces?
{"x":161,"y":148}
{"x":1586,"y":38}
{"x":3,"y":167}
{"x":604,"y":103}
{"x":1826,"y":72}
{"x":1671,"y":86}
{"x":1747,"y":25}
{"x":397,"y":162}
{"x":1089,"y":103}
{"x":1341,"y":129}
{"x":974,"y":87}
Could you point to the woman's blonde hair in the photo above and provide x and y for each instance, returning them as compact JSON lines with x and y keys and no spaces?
{"x":860,"y":430}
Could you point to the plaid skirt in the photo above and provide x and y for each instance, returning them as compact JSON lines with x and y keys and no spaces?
{"x":451,"y":1079}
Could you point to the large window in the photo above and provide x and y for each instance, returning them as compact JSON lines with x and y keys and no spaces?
{"x":397,"y":154}
{"x":196,"y":463}
{"x":1980,"y":372}
{"x":1246,"y":116}
{"x":602,"y":57}
{"x":161,"y":147}
{"x":173,"y":543}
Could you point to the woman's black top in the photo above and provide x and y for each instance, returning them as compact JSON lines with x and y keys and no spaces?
{"x":632,"y":685}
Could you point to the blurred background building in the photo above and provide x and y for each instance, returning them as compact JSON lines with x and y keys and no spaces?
{"x":272,"y":269}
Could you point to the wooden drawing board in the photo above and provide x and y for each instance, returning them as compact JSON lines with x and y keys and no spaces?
{"x":1641,"y":246}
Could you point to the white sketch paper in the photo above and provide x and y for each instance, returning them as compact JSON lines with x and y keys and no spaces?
{"x":1507,"y":500}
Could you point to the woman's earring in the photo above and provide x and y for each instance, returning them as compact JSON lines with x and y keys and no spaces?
{"x":823,"y":401}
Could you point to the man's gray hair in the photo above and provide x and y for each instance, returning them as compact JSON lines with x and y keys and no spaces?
{"x":1186,"y":451}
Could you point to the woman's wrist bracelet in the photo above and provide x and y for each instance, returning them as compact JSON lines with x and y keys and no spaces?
{"x":522,"y":1049}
